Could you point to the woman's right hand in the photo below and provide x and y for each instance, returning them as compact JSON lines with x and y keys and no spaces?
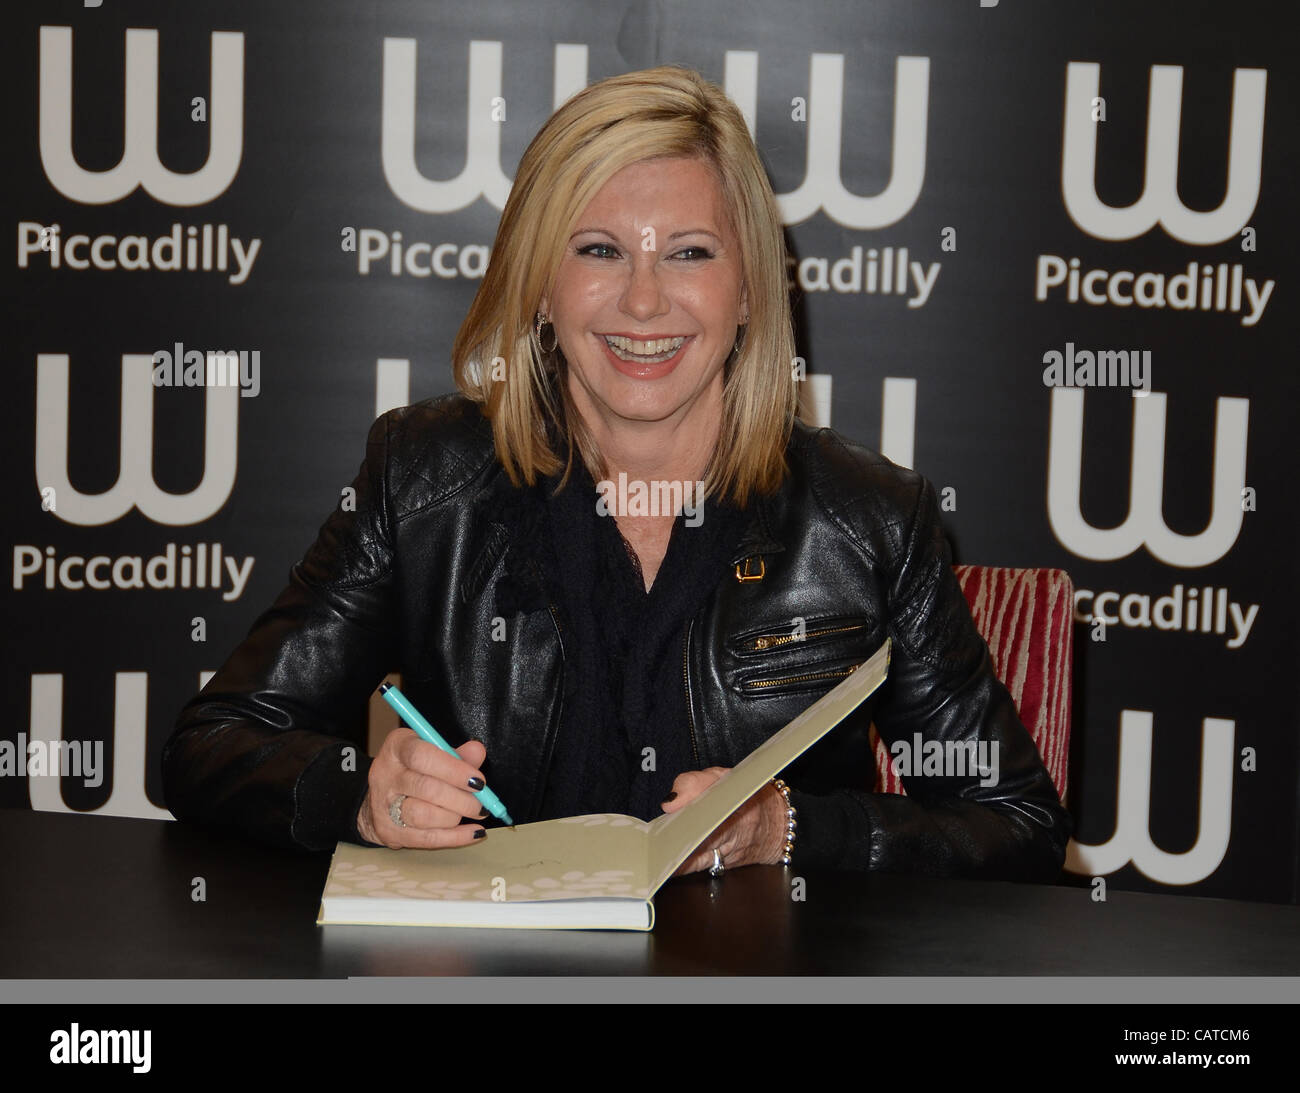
{"x":439,"y":793}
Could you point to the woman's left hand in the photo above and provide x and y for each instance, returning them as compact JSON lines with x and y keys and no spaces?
{"x":752,"y":835}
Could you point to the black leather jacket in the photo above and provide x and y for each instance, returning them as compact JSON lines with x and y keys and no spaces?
{"x":275,"y":747}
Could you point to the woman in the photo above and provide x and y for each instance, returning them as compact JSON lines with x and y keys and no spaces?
{"x":589,"y":650}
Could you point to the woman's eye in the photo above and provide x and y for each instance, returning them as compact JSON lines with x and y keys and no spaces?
{"x":598,"y":250}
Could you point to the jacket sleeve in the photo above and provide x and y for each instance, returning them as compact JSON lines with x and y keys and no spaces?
{"x":942,"y":686}
{"x":274,"y":746}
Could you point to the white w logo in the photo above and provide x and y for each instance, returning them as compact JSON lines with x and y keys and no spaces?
{"x":1160,"y":203}
{"x":130,"y":759}
{"x":823,"y":187}
{"x":139,"y":165}
{"x":1131,"y":841}
{"x":135,"y":485}
{"x":129,"y":744}
{"x":1145,"y":522}
{"x":482,"y":175}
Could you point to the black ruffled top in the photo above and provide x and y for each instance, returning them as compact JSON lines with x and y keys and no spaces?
{"x":624,"y":733}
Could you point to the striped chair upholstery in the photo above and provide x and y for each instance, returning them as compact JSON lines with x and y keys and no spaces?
{"x":1026,"y":616}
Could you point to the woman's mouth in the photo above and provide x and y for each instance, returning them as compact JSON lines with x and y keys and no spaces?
{"x":655,"y":352}
{"x":640,"y":358}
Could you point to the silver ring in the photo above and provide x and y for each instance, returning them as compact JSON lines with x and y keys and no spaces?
{"x":395,"y":810}
{"x":716,"y":869}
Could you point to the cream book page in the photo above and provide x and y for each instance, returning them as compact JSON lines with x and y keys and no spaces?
{"x":673,"y":837}
{"x":578,"y":857}
{"x":591,"y":857}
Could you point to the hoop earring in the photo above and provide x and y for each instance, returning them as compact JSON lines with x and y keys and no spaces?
{"x":539,"y":323}
{"x":740,"y":340}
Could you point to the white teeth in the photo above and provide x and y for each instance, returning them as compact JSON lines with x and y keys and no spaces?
{"x":661,"y":348}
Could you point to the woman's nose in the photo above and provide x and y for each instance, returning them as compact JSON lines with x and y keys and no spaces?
{"x":644,"y":296}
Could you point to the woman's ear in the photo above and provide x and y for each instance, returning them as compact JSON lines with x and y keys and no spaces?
{"x":744,"y":303}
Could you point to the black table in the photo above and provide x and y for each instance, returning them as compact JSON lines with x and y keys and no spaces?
{"x":92,"y":897}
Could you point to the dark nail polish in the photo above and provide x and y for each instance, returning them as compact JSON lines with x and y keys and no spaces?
{"x":480,"y":833}
{"x":476,"y":784}
{"x":670,"y":797}
{"x":483,"y":815}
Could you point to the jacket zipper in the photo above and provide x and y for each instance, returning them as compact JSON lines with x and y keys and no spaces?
{"x":771,"y":642}
{"x":686,"y":679}
{"x":540,"y":789}
{"x":840,"y":674}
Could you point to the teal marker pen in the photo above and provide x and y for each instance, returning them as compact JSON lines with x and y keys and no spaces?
{"x":412,"y":717}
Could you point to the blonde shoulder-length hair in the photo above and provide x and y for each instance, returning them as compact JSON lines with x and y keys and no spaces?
{"x":498,"y":360}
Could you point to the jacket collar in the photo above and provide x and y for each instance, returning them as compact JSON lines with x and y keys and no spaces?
{"x":757,"y":539}
{"x":503,"y":525}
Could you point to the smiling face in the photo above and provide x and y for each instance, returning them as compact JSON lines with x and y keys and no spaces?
{"x":653,"y":268}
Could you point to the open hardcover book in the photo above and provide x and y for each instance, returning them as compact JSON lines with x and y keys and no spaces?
{"x":580,"y":872}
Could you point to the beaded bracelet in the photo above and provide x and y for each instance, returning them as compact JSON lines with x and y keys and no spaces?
{"x":788,"y":849}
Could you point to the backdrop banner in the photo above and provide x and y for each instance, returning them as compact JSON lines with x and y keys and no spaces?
{"x":1039,"y":254}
